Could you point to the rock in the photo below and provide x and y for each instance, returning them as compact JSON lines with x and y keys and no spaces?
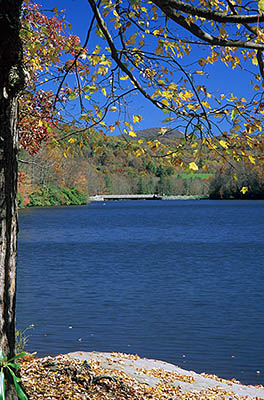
{"x":154,"y":373}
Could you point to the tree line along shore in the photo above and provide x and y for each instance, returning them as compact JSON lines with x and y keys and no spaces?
{"x":65,"y":175}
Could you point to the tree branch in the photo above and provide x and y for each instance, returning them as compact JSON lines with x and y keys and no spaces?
{"x":252,"y":29}
{"x":214,"y":41}
{"x":121,"y":65}
{"x":171,"y":8}
{"x":260,"y":63}
{"x":74,"y":62}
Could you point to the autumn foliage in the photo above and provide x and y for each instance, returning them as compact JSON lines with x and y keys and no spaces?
{"x":148,"y":50}
{"x":45,"y":45}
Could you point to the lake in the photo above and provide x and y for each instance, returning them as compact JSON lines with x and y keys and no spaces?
{"x":180,"y":281}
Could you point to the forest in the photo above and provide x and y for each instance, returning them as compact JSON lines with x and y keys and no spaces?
{"x":96,"y":164}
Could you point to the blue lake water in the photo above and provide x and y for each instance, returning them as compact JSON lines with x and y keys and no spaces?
{"x":180,"y":281}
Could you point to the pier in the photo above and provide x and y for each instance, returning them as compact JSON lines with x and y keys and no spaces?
{"x":105,"y":197}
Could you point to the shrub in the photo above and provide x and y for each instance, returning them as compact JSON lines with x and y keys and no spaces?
{"x":50,"y":195}
{"x":19,"y":200}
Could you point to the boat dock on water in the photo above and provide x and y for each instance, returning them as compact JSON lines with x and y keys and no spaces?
{"x":105,"y":197}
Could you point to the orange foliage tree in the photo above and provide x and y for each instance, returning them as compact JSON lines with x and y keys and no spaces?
{"x":27,"y":52}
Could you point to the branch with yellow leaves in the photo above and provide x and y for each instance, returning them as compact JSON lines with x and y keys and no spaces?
{"x":214,"y":41}
{"x":115,"y":55}
{"x":171,"y":8}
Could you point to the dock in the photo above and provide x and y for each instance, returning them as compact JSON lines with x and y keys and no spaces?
{"x":111,"y":197}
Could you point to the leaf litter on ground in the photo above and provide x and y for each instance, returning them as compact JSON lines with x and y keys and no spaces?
{"x":63,"y":377}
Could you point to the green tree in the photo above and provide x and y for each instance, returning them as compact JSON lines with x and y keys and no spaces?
{"x":108,"y":183}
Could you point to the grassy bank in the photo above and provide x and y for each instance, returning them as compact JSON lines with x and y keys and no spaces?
{"x":50,"y":195}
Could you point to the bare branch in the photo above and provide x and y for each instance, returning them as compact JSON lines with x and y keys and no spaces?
{"x":106,"y":109}
{"x":73,"y":64}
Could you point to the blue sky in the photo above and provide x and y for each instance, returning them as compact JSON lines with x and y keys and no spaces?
{"x":221,"y":80}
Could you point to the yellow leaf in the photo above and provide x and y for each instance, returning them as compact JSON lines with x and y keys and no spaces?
{"x":132,"y":133}
{"x":201,"y":62}
{"x":254,"y":61}
{"x":163,"y":130}
{"x":159,"y":50}
{"x":71,"y":140}
{"x":235,"y":177}
{"x":193,"y":166}
{"x":236,"y":128}
{"x":222,"y":31}
{"x":206,"y":104}
{"x":104,"y":92}
{"x":261,"y":6}
{"x":124,"y":77}
{"x":132,"y":38}
{"x":40,"y":123}
{"x":102,"y":70}
{"x":223,"y":144}
{"x":165,"y":102}
{"x":252,"y":159}
{"x":137,"y":118}
{"x":233,"y":113}
{"x":244,"y":189}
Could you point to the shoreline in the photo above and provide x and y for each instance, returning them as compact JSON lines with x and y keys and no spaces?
{"x":96,"y":375}
{"x":153,"y":372}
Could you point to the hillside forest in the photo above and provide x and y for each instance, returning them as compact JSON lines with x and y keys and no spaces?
{"x":69,"y":170}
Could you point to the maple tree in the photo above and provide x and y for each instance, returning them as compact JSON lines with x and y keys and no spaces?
{"x":45,"y":44}
{"x":28,"y":54}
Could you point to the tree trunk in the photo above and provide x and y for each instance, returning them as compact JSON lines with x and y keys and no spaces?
{"x":11,"y":83}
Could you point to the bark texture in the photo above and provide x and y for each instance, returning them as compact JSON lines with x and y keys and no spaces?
{"x":11,"y":83}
